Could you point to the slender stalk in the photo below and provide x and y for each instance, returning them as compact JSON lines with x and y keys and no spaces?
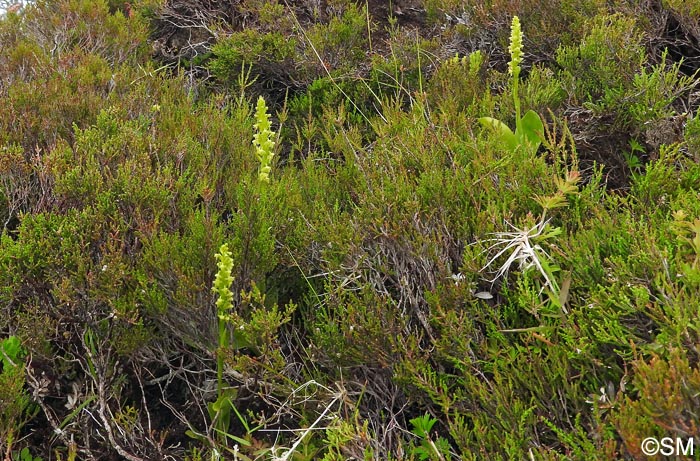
{"x":223,"y":344}
{"x":516,"y":100}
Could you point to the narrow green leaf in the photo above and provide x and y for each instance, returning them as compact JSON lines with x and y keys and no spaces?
{"x":193,"y":435}
{"x":237,"y":439}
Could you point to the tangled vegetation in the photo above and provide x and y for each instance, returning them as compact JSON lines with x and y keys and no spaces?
{"x":305,"y":229}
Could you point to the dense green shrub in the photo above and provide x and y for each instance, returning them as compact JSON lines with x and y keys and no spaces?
{"x":605,"y":61}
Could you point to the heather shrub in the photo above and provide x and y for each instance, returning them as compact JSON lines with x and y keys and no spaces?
{"x":607,"y":58}
{"x":486,"y":25}
{"x":269,"y":52}
{"x":663,"y":394}
{"x":458,"y":85}
{"x":341,"y":43}
{"x":60,"y":61}
{"x":675,"y":5}
{"x":284,"y":52}
{"x":17,"y":408}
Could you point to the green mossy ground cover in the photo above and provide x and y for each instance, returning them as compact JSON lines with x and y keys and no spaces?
{"x":403,"y":285}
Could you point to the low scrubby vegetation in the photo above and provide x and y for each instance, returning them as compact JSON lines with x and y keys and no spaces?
{"x":296,"y":230}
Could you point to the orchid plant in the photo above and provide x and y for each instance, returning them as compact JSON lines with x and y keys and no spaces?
{"x":529,"y":127}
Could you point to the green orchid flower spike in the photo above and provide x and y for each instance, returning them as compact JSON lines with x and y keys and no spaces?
{"x":515,"y":48}
{"x":223,"y":281}
{"x":222,"y":287}
{"x":262,"y":140}
{"x":528,"y":128}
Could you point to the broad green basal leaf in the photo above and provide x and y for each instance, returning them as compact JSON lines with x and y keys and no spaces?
{"x":533,"y":129}
{"x":504,"y":133}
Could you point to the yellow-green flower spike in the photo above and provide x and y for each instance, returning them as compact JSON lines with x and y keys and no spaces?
{"x":262,"y":141}
{"x":223,"y":281}
{"x":516,"y":47}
